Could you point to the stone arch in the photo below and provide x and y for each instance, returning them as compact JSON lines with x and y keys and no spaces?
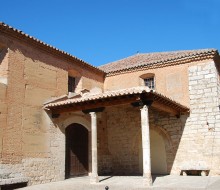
{"x":164,"y":135}
{"x":76,"y":119}
{"x":165,"y":141}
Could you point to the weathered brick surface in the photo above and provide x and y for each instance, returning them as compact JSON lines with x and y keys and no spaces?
{"x":3,"y":64}
{"x":3,"y":112}
{"x":30,"y":143}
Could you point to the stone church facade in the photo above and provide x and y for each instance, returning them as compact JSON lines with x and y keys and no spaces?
{"x":148,"y":114}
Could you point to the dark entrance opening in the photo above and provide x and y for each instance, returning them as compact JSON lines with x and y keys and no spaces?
{"x":76,"y":151}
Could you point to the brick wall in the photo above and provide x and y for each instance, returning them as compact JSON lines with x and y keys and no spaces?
{"x":30,"y":143}
{"x":3,"y":64}
{"x":3,"y":113}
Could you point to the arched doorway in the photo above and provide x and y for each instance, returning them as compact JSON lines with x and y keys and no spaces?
{"x":76,"y":150}
{"x":158,"y":154}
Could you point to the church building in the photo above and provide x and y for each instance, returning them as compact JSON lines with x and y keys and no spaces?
{"x":144,"y":115}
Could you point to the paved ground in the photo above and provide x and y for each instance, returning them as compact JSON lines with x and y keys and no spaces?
{"x":134,"y":183}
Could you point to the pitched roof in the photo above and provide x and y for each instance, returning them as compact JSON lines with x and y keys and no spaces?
{"x":89,"y":97}
{"x":149,"y":60}
{"x":4,"y":28}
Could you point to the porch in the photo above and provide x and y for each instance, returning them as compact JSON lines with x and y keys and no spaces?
{"x":136,"y":106}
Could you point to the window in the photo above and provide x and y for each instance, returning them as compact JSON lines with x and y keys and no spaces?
{"x":71,"y":84}
{"x":149,"y":82}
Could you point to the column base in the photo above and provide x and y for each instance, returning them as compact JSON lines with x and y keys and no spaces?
{"x":94,"y":179}
{"x":147,"y":180}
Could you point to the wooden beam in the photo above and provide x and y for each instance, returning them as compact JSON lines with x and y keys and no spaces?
{"x":164,"y":108}
{"x":158,"y":102}
{"x":100,"y":109}
{"x":92,"y":105}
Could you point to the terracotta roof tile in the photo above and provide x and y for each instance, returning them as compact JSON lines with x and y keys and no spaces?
{"x":149,"y":59}
{"x":108,"y":94}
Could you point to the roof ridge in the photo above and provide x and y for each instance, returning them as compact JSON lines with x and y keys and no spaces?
{"x":7,"y":28}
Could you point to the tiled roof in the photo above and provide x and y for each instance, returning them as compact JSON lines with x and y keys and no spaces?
{"x":145,"y":60}
{"x":109,"y":94}
{"x":25,"y":37}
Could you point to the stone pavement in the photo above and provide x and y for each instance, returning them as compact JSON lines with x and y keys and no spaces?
{"x":134,"y":183}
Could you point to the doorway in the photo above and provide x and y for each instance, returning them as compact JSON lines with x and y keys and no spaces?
{"x":76,"y":151}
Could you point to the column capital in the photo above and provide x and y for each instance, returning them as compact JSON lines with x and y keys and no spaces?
{"x":144,"y":108}
{"x":142,"y":103}
{"x":93,"y":114}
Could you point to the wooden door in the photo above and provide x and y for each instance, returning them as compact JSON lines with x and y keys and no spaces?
{"x":76,"y":150}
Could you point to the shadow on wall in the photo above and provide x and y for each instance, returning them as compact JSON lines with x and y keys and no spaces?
{"x":166,"y":131}
{"x":125,"y":143}
{"x":3,"y":52}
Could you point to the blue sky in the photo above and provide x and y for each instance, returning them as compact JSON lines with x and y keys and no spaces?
{"x":101,"y":31}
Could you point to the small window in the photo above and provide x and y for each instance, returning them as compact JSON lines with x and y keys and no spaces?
{"x":149,"y":82}
{"x":71,"y":84}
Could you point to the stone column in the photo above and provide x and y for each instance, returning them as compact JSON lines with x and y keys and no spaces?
{"x":146,"y":146}
{"x":94,"y":175}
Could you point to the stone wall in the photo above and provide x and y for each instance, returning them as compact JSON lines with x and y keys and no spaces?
{"x":199,"y":146}
{"x":124,"y":137}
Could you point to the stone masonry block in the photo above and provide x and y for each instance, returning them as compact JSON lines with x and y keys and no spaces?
{"x":212,"y":75}
{"x":193,"y":69}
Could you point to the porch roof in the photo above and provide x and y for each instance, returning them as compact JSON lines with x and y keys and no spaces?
{"x":134,"y":96}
